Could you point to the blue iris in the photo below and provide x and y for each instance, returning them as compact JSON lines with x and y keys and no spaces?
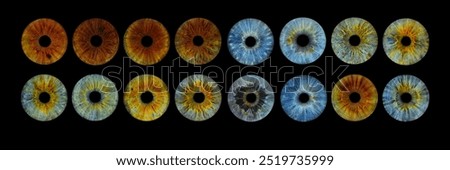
{"x":406,"y":98}
{"x":250,"y":41}
{"x":49,"y":109}
{"x":302,"y":40}
{"x":95,"y":108}
{"x":303,"y":98}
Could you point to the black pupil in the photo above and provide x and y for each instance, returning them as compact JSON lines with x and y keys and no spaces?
{"x":95,"y":96}
{"x":355,"y":97}
{"x":406,"y":41}
{"x":199,"y":97}
{"x":146,"y":41}
{"x":96,"y":41}
{"x":406,"y":97}
{"x":250,"y":41}
{"x":146,"y":97}
{"x":44,"y":97}
{"x":303,"y":98}
{"x":198,"y":40}
{"x":251,"y":98}
{"x":354,"y":40}
{"x":302,"y":40}
{"x":45,"y":41}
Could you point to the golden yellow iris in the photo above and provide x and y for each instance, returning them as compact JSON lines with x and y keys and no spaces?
{"x":194,"y":110}
{"x":146,"y":111}
{"x":406,"y":41}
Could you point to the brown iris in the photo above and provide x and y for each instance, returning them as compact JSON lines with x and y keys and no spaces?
{"x":146,"y":41}
{"x":44,"y":41}
{"x":95,"y":41}
{"x":198,"y":41}
{"x":354,"y":97}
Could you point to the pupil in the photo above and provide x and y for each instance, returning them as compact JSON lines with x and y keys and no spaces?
{"x":354,"y":40}
{"x":199,"y":97}
{"x":146,"y":41}
{"x":44,"y":97}
{"x":45,"y":41}
{"x":146,"y":97}
{"x":302,"y":40}
{"x":303,"y":98}
{"x":406,"y":41}
{"x":198,"y":40}
{"x":406,"y":97}
{"x":251,"y":97}
{"x":250,"y":41}
{"x":96,"y":41}
{"x":355,"y":97}
{"x":95,"y":97}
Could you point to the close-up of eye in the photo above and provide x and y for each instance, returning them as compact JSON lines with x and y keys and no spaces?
{"x":44,"y":97}
{"x":146,"y":97}
{"x":250,"y":41}
{"x":406,"y":98}
{"x":95,"y":41}
{"x":44,"y":41}
{"x":303,"y":98}
{"x":198,"y":41}
{"x":354,"y":40}
{"x":251,"y":98}
{"x":95,"y":97}
{"x":198,"y":97}
{"x":354,"y":97}
{"x":405,"y":41}
{"x":146,"y":41}
{"x":302,"y":40}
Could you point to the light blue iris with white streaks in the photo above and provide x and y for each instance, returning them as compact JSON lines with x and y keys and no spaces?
{"x":303,"y":111}
{"x":250,"y":55}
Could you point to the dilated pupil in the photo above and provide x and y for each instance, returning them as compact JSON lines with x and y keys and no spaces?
{"x":96,"y":41}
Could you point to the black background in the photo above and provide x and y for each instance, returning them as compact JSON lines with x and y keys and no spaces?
{"x":224,"y":130}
